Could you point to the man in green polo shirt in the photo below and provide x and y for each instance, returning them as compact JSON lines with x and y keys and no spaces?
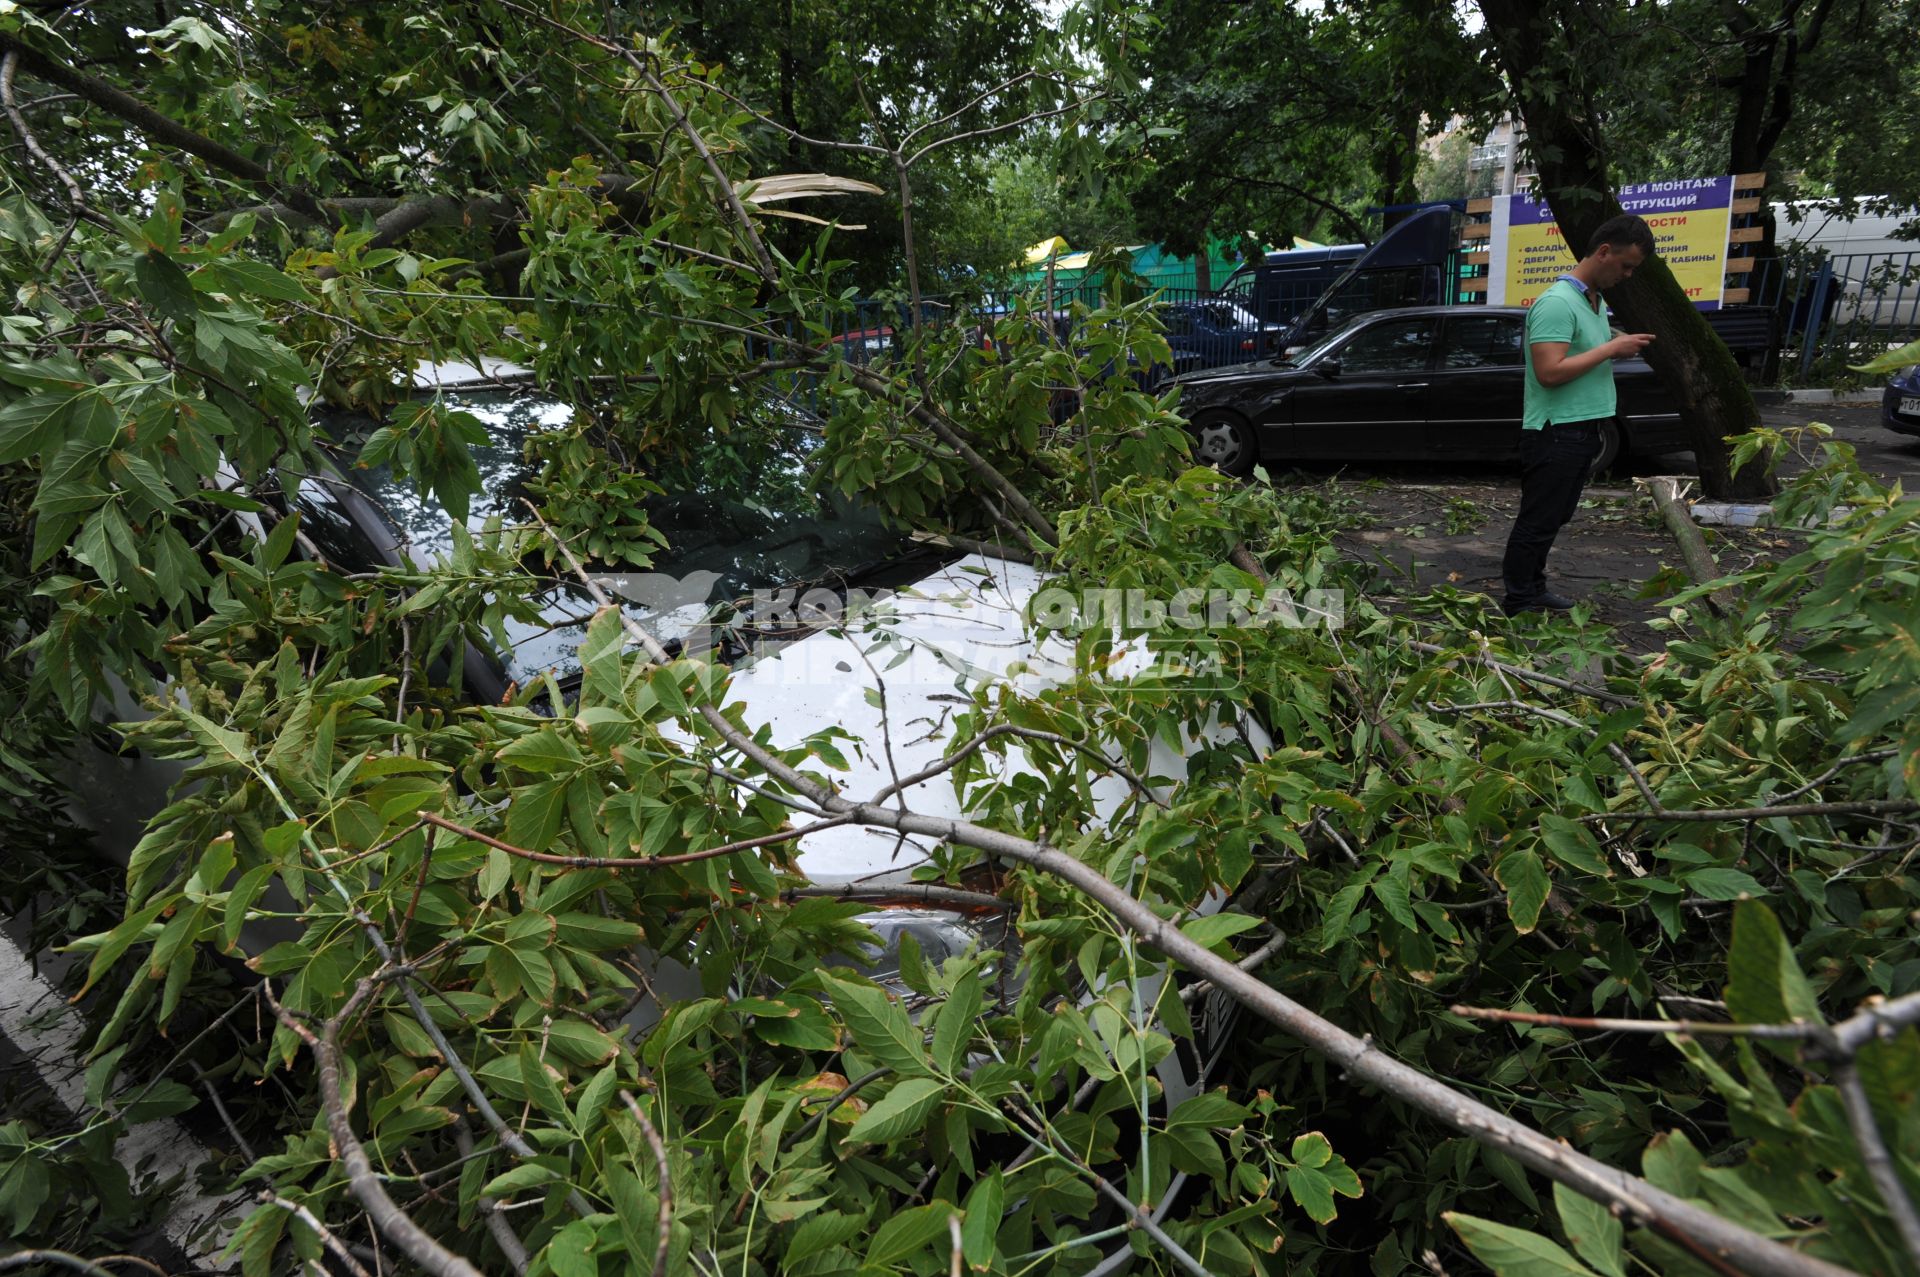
{"x":1569,"y":394}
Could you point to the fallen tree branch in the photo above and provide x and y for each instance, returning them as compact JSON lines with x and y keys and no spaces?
{"x":1613,"y":1188}
{"x":320,"y":1230}
{"x":76,"y":199}
{"x":503,"y":1235}
{"x":1677,"y":1028}
{"x":1863,"y":807}
{"x":1531,"y":676}
{"x":58,"y":1258}
{"x":1875,"y":1156}
{"x":1693,"y":547}
{"x":151,"y":122}
{"x":918,"y":892}
{"x":365,"y":1185}
{"x":629,"y":862}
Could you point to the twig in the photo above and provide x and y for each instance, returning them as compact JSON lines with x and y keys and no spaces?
{"x":1565,"y":720}
{"x":226,"y":1119}
{"x":1320,"y":823}
{"x":666,"y":1182}
{"x":1865,"y":807}
{"x":58,"y":1258}
{"x":1679,"y":1028}
{"x":1531,"y":676}
{"x":840,"y":1097}
{"x":919,"y":892}
{"x":632,"y":862}
{"x":1024,"y":733}
{"x":76,"y":199}
{"x":1871,"y":756}
{"x":1874,"y":1154}
{"x":320,"y":1230}
{"x":361,"y":1179}
{"x":1876,"y":1019}
{"x":503,"y":1235}
{"x":1135,"y":1214}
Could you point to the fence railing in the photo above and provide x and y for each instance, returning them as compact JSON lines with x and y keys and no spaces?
{"x":1838,"y":310}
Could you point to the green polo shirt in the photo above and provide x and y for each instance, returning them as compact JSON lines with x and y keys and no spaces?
{"x":1563,"y":313}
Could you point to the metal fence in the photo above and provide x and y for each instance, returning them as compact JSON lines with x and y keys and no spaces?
{"x":1839,"y":310}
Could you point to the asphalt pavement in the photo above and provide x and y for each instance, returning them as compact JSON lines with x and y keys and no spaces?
{"x":1426,"y":529}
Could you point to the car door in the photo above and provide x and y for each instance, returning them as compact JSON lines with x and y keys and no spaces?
{"x":1375,"y":405}
{"x":1474,"y":396}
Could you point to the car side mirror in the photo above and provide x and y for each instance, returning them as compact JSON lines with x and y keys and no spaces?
{"x":1328,"y":368}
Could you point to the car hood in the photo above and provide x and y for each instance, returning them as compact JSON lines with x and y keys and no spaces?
{"x":896,"y":678}
{"x":1907,"y":379}
{"x":1262,"y":368}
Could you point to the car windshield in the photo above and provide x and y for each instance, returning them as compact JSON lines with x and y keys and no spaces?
{"x":737,"y":518}
{"x":1322,"y":344}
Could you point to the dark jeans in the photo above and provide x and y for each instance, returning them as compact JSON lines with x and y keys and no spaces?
{"x":1554,"y":464}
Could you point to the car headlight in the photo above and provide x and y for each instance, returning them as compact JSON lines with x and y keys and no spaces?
{"x":941,"y":934}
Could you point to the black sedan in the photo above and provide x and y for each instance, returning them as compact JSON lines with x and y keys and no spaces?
{"x":1900,"y":405}
{"x":1429,"y":383}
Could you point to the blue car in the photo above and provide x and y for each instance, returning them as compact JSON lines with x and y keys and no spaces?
{"x":1218,"y":331}
{"x":1900,"y":406}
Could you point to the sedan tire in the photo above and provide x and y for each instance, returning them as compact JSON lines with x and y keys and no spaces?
{"x":1610,"y":448}
{"x":1224,"y":440}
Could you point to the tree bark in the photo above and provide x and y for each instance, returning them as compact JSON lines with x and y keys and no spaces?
{"x":1551,"y":84}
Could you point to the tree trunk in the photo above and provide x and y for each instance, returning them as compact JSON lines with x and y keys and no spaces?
{"x":1551,"y":82}
{"x":1203,"y":266}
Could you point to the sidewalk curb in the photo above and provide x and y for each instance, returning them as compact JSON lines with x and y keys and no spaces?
{"x":1817,"y":396}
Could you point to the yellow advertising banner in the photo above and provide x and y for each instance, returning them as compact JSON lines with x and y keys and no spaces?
{"x":1690,"y":219}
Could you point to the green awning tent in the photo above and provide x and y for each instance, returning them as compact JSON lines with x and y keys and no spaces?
{"x":1152,"y":262}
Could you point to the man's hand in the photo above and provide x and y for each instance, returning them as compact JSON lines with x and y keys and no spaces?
{"x":1552,"y":366}
{"x":1627,"y":345}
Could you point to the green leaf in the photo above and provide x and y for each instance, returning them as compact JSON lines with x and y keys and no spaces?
{"x":1893,"y":361}
{"x":164,"y":286}
{"x":1514,"y":1252}
{"x":1525,"y":881}
{"x":542,"y":751}
{"x":570,"y":1253}
{"x":137,"y":474}
{"x":1312,"y":1192}
{"x":1214,"y":1109}
{"x":901,"y":1111}
{"x":524,"y":1176}
{"x":1720,"y":883}
{"x":1592,"y":1229}
{"x":880,"y":1025}
{"x":1764,"y":983}
{"x":822,"y":1232}
{"x":24,"y":1187}
{"x":985,"y":1207}
{"x":250,"y":278}
{"x":600,"y":656}
{"x":535,"y":814}
{"x":1311,"y":1150}
{"x":955,"y":1029}
{"x":1572,"y":844}
{"x":594,"y":1098}
{"x":1216,"y":928}
{"x":514,"y":969}
{"x":907,"y":1233}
